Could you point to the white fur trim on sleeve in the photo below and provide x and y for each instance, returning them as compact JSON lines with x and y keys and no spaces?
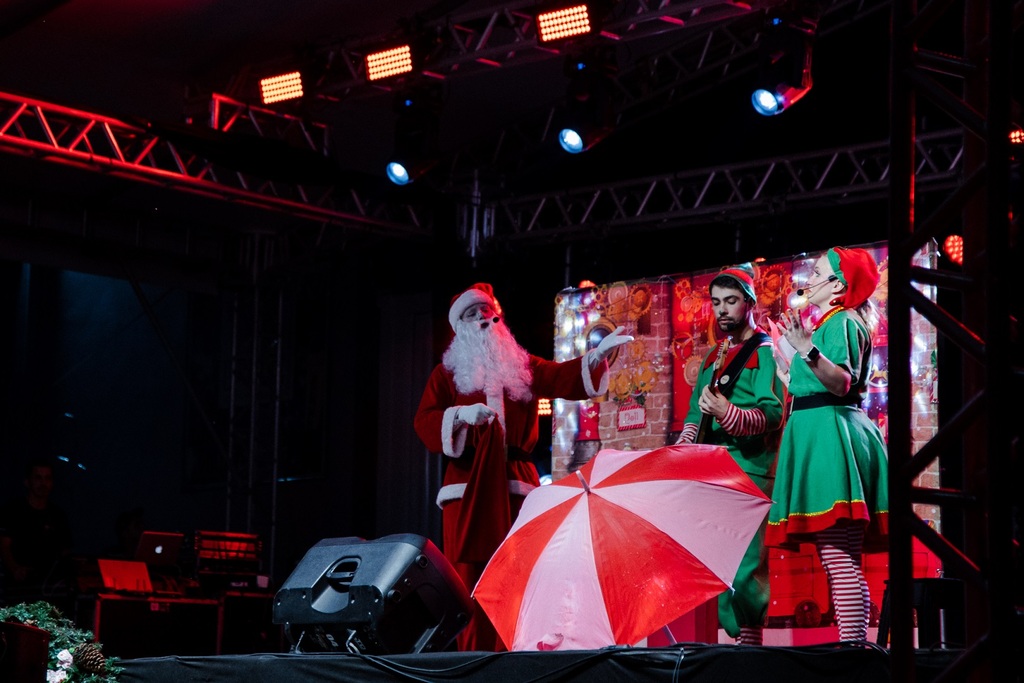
{"x":519,"y":488}
{"x":457,"y":491}
{"x":588,"y":378}
{"x":453,"y":441}
{"x":449,"y":493}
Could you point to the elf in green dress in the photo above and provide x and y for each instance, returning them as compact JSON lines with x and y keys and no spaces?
{"x":740,"y":406}
{"x":831,"y":485}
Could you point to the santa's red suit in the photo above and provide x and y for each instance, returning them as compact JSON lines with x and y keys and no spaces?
{"x":489,"y":467}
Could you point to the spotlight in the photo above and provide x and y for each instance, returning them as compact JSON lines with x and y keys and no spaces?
{"x":278,"y":88}
{"x":416,"y":134}
{"x":398,"y":173}
{"x":571,"y":140}
{"x":785,"y":63}
{"x":402,"y":171}
{"x":590,"y":112}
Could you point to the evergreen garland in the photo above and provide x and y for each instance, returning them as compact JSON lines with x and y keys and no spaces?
{"x":73,"y":656}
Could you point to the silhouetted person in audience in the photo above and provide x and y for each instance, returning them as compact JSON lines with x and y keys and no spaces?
{"x":128,"y":526}
{"x":35,"y":541}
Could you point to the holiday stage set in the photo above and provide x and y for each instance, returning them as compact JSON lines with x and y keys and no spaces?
{"x":387,"y":609}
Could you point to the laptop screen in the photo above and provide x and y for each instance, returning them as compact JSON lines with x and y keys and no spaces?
{"x":159,"y":548}
{"x":125,"y":575}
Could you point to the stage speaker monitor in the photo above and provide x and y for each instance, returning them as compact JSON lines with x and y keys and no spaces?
{"x":393,"y":595}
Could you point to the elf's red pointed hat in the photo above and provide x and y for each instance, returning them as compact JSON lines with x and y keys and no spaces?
{"x":480,"y":293}
{"x":856,"y":269}
{"x":743,"y":275}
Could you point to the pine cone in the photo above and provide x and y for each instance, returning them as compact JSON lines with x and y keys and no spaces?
{"x":88,"y":658}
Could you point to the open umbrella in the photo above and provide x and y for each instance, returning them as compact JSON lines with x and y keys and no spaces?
{"x":628,"y":543}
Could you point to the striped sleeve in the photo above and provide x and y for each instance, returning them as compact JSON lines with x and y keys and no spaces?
{"x":744,"y":422}
{"x":688,"y":434}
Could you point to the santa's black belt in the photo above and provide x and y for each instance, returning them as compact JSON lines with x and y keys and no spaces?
{"x":820,"y":400}
{"x":514,"y":453}
{"x":518,"y":454}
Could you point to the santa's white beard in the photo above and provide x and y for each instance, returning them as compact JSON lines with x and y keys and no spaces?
{"x":488,"y":359}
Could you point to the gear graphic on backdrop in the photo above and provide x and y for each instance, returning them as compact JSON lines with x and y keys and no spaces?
{"x":598,"y":330}
{"x":881,"y":295}
{"x":640,"y":300}
{"x":773,"y":286}
{"x":681,"y":345}
{"x":691,"y":369}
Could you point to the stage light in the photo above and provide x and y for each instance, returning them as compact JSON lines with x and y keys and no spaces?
{"x":589,"y":114}
{"x":279,"y":88}
{"x":402,"y":171}
{"x":571,"y":140}
{"x":416,"y":134}
{"x":953,"y":248}
{"x":391,"y":62}
{"x":562,"y":23}
{"x":785,"y":73}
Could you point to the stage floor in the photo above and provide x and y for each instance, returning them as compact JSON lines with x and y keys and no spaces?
{"x":691,"y":662}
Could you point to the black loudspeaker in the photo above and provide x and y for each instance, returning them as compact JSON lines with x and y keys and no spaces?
{"x":393,"y":595}
{"x":132,"y":627}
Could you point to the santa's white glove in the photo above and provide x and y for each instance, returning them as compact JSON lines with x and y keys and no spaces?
{"x":476,"y":414}
{"x":608,"y":344}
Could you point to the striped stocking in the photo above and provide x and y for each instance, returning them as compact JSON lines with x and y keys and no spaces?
{"x":839,"y":549}
{"x":750,"y":635}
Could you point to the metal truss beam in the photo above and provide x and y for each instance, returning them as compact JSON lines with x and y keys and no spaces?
{"x":504,"y":36}
{"x":701,"y":58}
{"x":826,"y":178}
{"x":63,"y":135}
{"x":967,"y":77}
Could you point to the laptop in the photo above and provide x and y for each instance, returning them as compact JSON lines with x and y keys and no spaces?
{"x":159,"y":548}
{"x":125,"y":576}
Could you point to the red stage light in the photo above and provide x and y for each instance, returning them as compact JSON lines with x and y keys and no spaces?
{"x":953,"y":247}
{"x":563,"y":23}
{"x":390,"y":62}
{"x":284,"y":87}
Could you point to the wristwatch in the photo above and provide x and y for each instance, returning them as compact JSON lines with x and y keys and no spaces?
{"x":812,"y":354}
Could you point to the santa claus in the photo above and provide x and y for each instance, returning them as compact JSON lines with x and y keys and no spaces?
{"x":479,"y":409}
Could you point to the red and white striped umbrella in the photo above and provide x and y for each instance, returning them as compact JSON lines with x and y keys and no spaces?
{"x":628,"y":543}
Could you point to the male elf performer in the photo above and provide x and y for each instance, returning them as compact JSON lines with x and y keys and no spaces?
{"x":744,"y":415}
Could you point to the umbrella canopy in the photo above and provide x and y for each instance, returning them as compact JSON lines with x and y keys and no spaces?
{"x":628,"y":543}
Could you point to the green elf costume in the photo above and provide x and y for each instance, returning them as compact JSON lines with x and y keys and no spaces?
{"x":832,"y":477}
{"x":749,"y":430}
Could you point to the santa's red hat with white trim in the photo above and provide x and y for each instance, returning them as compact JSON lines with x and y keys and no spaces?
{"x":480,"y":293}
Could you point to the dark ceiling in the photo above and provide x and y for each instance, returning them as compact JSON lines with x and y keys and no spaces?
{"x":684,"y":70}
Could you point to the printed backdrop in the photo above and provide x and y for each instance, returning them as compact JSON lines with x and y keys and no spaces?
{"x":651,"y":381}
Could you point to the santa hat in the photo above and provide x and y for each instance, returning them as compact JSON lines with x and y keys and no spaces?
{"x":856,"y":269}
{"x":480,"y":293}
{"x":742,"y":275}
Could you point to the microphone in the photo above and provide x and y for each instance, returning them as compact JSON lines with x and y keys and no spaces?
{"x":803,"y":290}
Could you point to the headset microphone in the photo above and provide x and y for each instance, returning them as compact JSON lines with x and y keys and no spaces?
{"x":803,"y":290}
